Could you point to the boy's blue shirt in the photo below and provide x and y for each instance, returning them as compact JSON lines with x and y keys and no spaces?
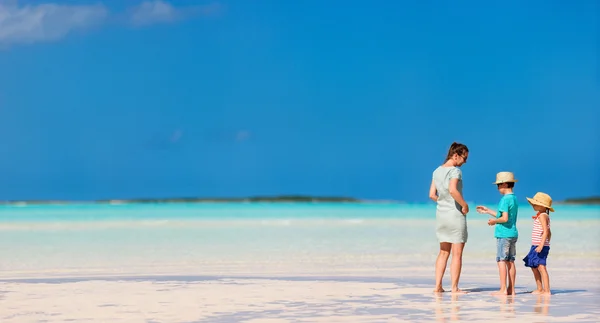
{"x":508,"y":203}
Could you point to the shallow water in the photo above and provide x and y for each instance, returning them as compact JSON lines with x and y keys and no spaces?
{"x":193,"y":238}
{"x":366,"y":263}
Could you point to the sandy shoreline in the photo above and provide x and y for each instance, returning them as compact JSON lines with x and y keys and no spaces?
{"x":285,"y":299}
{"x":476,"y":271}
{"x":292,"y":291}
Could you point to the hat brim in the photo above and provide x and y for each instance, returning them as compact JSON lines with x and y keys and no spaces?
{"x":538,"y":203}
{"x":509,"y":181}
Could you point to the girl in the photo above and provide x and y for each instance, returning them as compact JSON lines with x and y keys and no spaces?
{"x":540,"y":241}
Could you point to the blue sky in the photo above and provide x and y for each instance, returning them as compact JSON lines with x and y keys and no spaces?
{"x":121,"y":99}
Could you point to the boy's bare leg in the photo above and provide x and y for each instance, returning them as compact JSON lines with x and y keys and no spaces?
{"x":502,"y":270}
{"x":440,"y":265}
{"x":538,"y":281}
{"x":512,"y":275}
{"x":545,"y":279}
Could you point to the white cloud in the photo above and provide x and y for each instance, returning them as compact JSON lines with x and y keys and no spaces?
{"x":159,"y":11}
{"x":24,"y":24}
{"x":152,"y":12}
{"x":45,"y":22}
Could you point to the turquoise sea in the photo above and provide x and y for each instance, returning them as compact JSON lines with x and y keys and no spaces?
{"x":385,"y":239}
{"x":243,"y":211}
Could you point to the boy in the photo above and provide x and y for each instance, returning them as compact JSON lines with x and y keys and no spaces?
{"x":505,"y":231}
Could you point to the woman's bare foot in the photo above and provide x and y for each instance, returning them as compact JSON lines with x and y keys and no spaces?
{"x":438,"y":290}
{"x":502,"y":292}
{"x":538,"y":291}
{"x":546,"y":293}
{"x":458,"y":291}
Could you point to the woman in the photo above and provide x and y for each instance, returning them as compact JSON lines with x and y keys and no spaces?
{"x":451,"y":222}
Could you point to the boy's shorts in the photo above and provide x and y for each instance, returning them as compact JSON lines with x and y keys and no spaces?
{"x":506,"y":249}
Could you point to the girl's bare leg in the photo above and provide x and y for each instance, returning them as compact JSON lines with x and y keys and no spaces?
{"x":538,"y":281}
{"x":457,"y":250}
{"x":545,"y":278}
{"x":440,"y":265}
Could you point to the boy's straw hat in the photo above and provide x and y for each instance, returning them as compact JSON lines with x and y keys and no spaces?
{"x":541,"y":199}
{"x":505,"y":177}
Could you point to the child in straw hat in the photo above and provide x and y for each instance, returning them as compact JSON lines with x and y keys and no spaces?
{"x":505,"y":231}
{"x":540,"y":241}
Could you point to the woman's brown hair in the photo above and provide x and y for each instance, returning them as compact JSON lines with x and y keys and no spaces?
{"x":456,"y":148}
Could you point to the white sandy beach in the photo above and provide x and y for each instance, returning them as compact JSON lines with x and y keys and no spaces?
{"x":189,"y":299}
{"x":301,"y":291}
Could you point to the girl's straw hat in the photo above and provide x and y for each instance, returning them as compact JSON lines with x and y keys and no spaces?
{"x":541,"y":199}
{"x":505,"y":177}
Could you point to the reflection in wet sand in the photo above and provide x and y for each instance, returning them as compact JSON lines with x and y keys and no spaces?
{"x":454,"y":308}
{"x":507,"y":305}
{"x":542,"y":304}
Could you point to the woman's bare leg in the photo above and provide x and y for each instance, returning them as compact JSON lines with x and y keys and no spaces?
{"x":440,"y":265}
{"x":456,"y":267}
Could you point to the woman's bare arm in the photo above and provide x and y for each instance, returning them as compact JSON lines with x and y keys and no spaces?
{"x":455,"y":193}
{"x":433,"y":192}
